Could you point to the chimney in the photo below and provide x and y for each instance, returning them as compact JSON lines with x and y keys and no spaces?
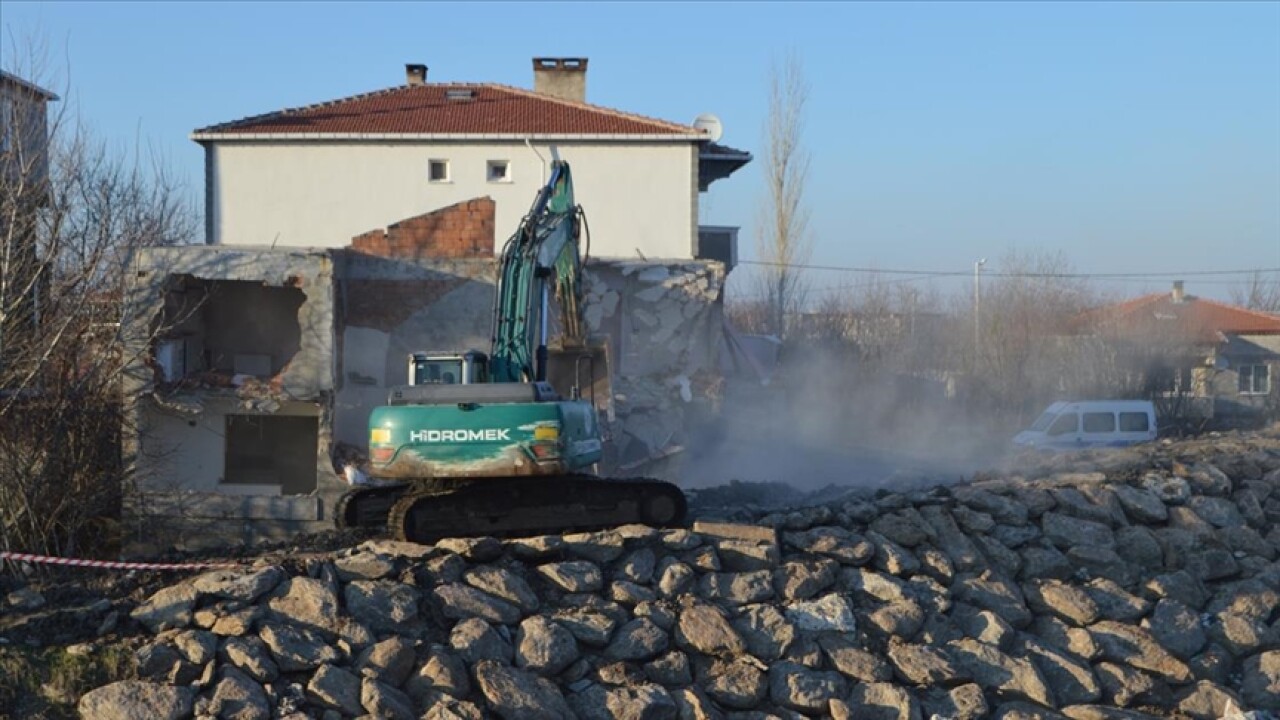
{"x":564,"y":78}
{"x":1178,"y":295}
{"x":415,"y":74}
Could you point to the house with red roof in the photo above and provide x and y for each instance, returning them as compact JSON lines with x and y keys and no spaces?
{"x":319,"y":175}
{"x":1223,"y":357}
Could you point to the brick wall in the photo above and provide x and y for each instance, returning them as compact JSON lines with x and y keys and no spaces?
{"x":463,"y":230}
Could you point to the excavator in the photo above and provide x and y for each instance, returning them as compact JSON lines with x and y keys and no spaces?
{"x":481,"y":443}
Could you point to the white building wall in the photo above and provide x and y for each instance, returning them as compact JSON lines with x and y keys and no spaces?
{"x":636,"y":195}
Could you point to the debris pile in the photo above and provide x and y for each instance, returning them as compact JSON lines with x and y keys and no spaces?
{"x":1090,"y":587}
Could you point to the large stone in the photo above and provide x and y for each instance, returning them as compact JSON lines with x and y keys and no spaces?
{"x":1138,"y":546}
{"x":1261,"y":686}
{"x":638,"y":566}
{"x":876,"y":701}
{"x":364,"y":566}
{"x":476,"y":549}
{"x":239,"y":697}
{"x":1074,"y":502}
{"x":250,"y":655}
{"x":1097,"y":561}
{"x":671,"y":670}
{"x":1240,"y":634}
{"x":891,"y":557}
{"x":168,"y":608}
{"x":1123,"y":686}
{"x":306,"y":601}
{"x":1045,"y":563}
{"x":739,"y":685}
{"x":295,"y":648}
{"x":704,"y":628}
{"x":443,"y":672}
{"x":598,"y":547}
{"x":995,"y":594}
{"x":798,"y":688}
{"x":1065,"y":601}
{"x":575,"y":576}
{"x":853,"y":661}
{"x":475,"y":640}
{"x":923,"y":664}
{"x":589,"y":627}
{"x":676,"y":579}
{"x":335,"y":688}
{"x":984,"y":625}
{"x":238,"y":585}
{"x":381,"y":605}
{"x":803,"y":580}
{"x":1176,"y":627}
{"x":642,"y":702}
{"x":1250,"y":598}
{"x":1141,"y":505}
{"x":906,"y":528}
{"x":1067,"y":532}
{"x":1171,"y":490}
{"x":964,"y":702}
{"x":391,"y":660}
{"x":998,"y":672}
{"x":1178,"y":586}
{"x":459,"y":601}
{"x":901,"y":619}
{"x":519,"y":694}
{"x":748,"y":556}
{"x":830,"y":612}
{"x":765,"y":631}
{"x":1206,"y":478}
{"x":130,"y":699}
{"x":1207,"y":701}
{"x":639,"y":639}
{"x":383,"y":701}
{"x":1134,"y":646}
{"x":504,"y":584}
{"x":1072,"y":680}
{"x":1217,"y":511}
{"x":737,"y":588}
{"x":1003,"y":509}
{"x":1114,"y":602}
{"x":545,"y":647}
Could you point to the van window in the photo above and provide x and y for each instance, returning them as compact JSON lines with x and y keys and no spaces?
{"x":1134,"y":422}
{"x":1066,"y":423}
{"x":1099,"y":422}
{"x":1042,"y":423}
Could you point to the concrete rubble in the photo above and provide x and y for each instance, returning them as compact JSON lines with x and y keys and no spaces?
{"x":1069,"y":589}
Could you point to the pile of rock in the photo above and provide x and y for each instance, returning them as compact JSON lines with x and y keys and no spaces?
{"x":1142,"y":588}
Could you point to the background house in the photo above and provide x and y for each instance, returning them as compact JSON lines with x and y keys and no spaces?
{"x":24,"y":175}
{"x":320,"y":174}
{"x":1219,"y":361}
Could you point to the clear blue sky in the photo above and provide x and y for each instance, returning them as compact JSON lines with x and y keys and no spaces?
{"x":1132,"y":137}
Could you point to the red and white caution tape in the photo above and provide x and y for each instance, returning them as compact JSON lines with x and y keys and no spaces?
{"x":73,"y":562}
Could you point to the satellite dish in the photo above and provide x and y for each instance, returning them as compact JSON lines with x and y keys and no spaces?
{"x":709,"y":124}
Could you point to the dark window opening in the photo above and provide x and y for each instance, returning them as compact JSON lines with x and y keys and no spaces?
{"x":272,"y":450}
{"x":227,"y":328}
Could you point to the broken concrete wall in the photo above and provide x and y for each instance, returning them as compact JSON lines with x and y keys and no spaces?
{"x":213,"y":307}
{"x":663,"y":323}
{"x":388,"y":308}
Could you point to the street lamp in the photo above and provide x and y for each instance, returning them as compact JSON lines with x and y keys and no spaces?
{"x":977,"y":308}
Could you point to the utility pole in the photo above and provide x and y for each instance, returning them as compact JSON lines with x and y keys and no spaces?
{"x":977,"y":310}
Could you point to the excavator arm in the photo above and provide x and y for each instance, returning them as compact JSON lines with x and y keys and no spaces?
{"x":540,"y":259}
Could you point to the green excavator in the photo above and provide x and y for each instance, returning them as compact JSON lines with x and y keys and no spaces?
{"x":482,"y":444}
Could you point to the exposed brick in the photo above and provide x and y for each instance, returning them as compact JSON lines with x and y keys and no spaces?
{"x":461,"y":230}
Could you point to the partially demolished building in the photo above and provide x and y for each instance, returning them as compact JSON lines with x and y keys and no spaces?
{"x":256,"y":366}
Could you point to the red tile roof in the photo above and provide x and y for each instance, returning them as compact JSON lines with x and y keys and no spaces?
{"x":1194,"y":318}
{"x":432,"y":109}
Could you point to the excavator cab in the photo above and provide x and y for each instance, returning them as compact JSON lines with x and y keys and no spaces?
{"x":468,"y":368}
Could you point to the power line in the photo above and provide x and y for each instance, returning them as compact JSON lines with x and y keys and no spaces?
{"x":987,"y":273}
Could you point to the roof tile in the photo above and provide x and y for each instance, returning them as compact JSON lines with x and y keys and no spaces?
{"x":427,"y":109}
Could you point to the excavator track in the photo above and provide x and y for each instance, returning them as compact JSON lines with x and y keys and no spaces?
{"x":521,"y":506}
{"x":367,"y":507}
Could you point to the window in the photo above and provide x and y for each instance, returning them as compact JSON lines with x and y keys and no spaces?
{"x":1099,"y":422}
{"x":1255,"y":379}
{"x":499,"y":171}
{"x":1042,"y":423}
{"x":438,"y":171}
{"x":1066,"y":423}
{"x":1134,"y":422}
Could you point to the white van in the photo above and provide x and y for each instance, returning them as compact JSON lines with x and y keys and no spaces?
{"x":1078,"y":424}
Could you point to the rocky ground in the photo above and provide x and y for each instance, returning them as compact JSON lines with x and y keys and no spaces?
{"x":1120,"y":584}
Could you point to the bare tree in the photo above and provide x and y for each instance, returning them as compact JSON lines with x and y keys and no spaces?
{"x":783,"y":240}
{"x":71,"y":213}
{"x":1258,"y":293}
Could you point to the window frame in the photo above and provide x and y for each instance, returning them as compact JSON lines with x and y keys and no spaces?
{"x":448,"y":171}
{"x":1097,"y":415}
{"x":1052,"y":430}
{"x":1252,"y":375}
{"x":1146,"y":422}
{"x":488,"y":171}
